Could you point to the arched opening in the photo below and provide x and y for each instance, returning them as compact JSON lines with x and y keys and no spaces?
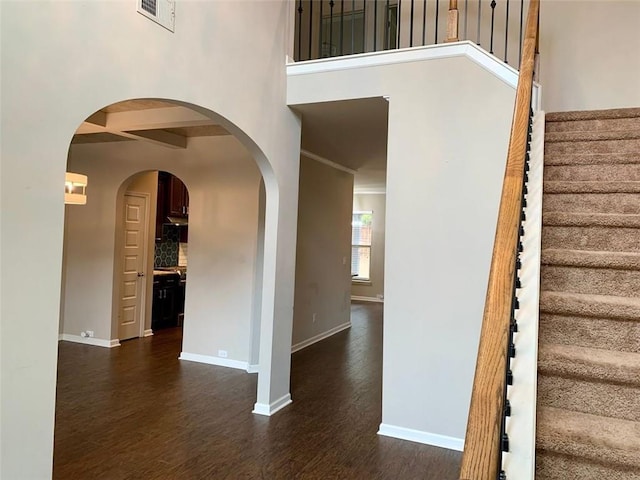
{"x":222,"y":228}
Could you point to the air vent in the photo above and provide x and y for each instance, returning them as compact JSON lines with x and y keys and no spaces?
{"x":162,"y":12}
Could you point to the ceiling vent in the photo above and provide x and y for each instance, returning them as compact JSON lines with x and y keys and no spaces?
{"x":163,"y":12}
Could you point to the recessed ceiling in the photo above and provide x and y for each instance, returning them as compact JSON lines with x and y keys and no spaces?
{"x":130,"y":105}
{"x":352,"y":133}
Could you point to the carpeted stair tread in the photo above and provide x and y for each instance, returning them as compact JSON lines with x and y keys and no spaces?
{"x":593,"y":146}
{"x":600,"y":202}
{"x":595,"y":364}
{"x":623,"y":172}
{"x":585,"y":395}
{"x":592,"y":114}
{"x":597,"y":439}
{"x":590,"y":136}
{"x":590,"y":158}
{"x":594,"y":125}
{"x":591,"y":258}
{"x":589,"y":305}
{"x":555,"y":186}
{"x":555,"y":466}
{"x":577,"y":219}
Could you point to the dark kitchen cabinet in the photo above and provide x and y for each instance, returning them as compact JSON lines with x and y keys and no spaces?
{"x":178,"y":198}
{"x":166,"y":301}
{"x":161,"y":205}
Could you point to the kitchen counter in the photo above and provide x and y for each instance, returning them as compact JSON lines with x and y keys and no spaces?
{"x":165,"y":272}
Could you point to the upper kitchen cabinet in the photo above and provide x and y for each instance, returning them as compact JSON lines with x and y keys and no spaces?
{"x":173,"y":201}
{"x":178,"y":198}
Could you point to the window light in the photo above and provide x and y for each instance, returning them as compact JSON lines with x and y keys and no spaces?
{"x":75,"y":186}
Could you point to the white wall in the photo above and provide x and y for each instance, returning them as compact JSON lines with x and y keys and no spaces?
{"x":589,"y":54}
{"x":62,"y":61}
{"x":223,"y":183}
{"x":323,"y":255}
{"x":375,"y":203}
{"x":449,"y":122}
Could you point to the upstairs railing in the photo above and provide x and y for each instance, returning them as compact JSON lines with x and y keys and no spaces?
{"x":486,"y":437}
{"x":333,"y":28}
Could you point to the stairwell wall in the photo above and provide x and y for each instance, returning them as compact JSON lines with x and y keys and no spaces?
{"x":589,"y":54}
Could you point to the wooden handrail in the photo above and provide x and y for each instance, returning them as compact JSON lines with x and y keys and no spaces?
{"x":480,"y":460}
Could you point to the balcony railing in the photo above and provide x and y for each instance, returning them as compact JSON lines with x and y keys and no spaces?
{"x":332,"y":28}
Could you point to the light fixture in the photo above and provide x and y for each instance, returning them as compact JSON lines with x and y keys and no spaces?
{"x":75,"y":186}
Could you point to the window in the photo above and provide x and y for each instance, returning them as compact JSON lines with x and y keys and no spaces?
{"x":347,"y":42}
{"x":361,"y":232}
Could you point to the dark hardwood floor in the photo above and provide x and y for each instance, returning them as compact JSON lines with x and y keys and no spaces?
{"x":137,"y":412}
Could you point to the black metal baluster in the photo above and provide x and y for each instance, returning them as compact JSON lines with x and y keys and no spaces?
{"x":364,"y":26}
{"x":411,"y":27}
{"x":399,"y":22}
{"x":387,"y":32}
{"x":506,"y":33}
{"x":375,"y":23}
{"x":320,"y":46}
{"x":353,"y":31}
{"x":479,"y":16}
{"x":466,"y":17}
{"x":493,"y":16}
{"x":341,"y":27}
{"x":435,"y":36}
{"x":299,"y":29}
{"x":331,"y":4}
{"x":310,"y":27}
{"x":521,"y":20}
{"x":424,"y":21}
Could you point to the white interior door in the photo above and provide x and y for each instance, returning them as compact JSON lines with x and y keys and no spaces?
{"x":132,"y":281}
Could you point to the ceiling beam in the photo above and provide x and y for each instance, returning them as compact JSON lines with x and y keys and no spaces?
{"x":158,"y":137}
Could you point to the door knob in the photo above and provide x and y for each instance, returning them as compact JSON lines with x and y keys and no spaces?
{"x":140,"y":274}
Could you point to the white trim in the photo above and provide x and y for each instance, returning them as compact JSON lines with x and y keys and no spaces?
{"x":148,"y":333}
{"x":211,"y":360}
{"x":443,"y":441}
{"x":321,"y":336}
{"x":326,"y":161}
{"x":253,"y":368}
{"x":521,"y":426}
{"x":370,"y":191}
{"x":273,"y":407}
{"x":367,"y":299}
{"x":96,"y":342}
{"x":406,"y":55}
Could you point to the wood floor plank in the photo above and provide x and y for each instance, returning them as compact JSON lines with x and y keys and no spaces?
{"x":137,"y":412}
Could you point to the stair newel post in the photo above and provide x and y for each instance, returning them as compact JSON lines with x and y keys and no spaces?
{"x":452,"y":22}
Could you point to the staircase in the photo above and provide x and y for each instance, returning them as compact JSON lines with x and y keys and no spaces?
{"x":588,"y":422}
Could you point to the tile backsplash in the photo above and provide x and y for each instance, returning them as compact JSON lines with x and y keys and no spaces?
{"x":166,"y":253}
{"x":182,"y":254}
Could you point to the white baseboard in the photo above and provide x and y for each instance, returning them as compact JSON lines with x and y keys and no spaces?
{"x":253,"y":368}
{"x":367,"y":299}
{"x":273,"y":407}
{"x":321,"y":336}
{"x":418,"y":436}
{"x":211,"y":360}
{"x":147,"y":333}
{"x":96,"y":342}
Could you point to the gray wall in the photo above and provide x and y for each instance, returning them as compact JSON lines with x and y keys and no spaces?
{"x":589,"y":54}
{"x":377,"y":204}
{"x":446,"y":153}
{"x":323,"y":253}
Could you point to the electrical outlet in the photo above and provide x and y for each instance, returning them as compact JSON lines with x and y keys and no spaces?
{"x":90,"y":333}
{"x":222,"y":353}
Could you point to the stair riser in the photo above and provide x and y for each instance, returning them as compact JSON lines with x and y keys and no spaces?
{"x":591,"y":173}
{"x":583,"y":395}
{"x":594,"y":125}
{"x":597,"y":146}
{"x":592,"y":202}
{"x":598,"y":281}
{"x":614,"y":239}
{"x":616,"y":335}
{"x":552,"y":466}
